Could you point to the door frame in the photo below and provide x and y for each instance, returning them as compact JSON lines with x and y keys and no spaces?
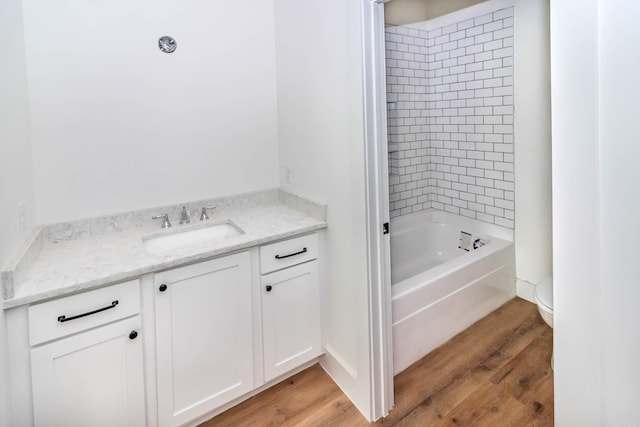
{"x":377,"y":195}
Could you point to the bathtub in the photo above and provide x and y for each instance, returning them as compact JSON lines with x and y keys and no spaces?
{"x":439,"y":289}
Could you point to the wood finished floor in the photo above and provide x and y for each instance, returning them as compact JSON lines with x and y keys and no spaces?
{"x":495,"y":373}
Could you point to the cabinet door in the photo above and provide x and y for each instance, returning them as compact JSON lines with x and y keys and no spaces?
{"x":91,"y":379}
{"x":290,"y":318}
{"x":203,"y":337}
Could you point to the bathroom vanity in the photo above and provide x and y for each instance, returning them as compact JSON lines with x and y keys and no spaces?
{"x":106,"y":329}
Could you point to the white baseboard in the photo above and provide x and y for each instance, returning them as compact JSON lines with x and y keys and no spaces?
{"x":345,"y":377}
{"x":525,"y":290}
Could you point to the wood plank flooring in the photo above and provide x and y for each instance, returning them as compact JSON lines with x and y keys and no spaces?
{"x":495,"y":373}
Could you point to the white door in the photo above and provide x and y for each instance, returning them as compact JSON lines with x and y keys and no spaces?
{"x":92,"y":379}
{"x":290,"y":318}
{"x":203,"y":337}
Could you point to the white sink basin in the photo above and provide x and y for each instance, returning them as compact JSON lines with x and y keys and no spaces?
{"x":165,"y":243}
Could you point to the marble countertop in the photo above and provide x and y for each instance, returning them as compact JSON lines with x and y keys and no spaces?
{"x":70,"y":266}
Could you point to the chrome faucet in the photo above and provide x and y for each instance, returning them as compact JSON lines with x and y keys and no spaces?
{"x":184,"y":218}
{"x":165,"y":218}
{"x":203,"y":215}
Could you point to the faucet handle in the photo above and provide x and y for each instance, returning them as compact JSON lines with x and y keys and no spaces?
{"x":184,"y":218}
{"x":165,"y":218}
{"x":203,"y":215}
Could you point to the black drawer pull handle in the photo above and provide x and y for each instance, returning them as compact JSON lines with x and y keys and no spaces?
{"x":293,"y":254}
{"x":64,"y":318}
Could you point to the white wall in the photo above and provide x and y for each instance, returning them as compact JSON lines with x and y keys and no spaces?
{"x":533,"y":141}
{"x":436,"y":8}
{"x":117,"y":125}
{"x":400,"y":12}
{"x":619,"y":209}
{"x":320,"y":117}
{"x":16,"y":183}
{"x":576,"y":221}
{"x":596,"y":206}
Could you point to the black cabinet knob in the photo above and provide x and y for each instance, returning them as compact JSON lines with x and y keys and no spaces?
{"x":269,"y":287}
{"x":163,"y":287}
{"x":133,"y":335}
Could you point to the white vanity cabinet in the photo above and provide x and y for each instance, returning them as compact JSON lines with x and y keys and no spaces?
{"x":172,"y":347}
{"x":290,"y":304}
{"x":86,"y":359}
{"x":204,"y":347}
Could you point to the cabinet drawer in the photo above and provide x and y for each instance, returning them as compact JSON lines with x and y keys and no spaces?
{"x":76,"y":313}
{"x":287,"y":253}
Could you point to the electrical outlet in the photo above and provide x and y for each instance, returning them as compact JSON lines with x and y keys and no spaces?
{"x":22,"y":216}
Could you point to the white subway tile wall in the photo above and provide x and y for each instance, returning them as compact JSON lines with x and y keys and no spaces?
{"x":450,"y":118}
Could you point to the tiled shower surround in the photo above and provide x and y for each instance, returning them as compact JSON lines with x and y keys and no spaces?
{"x":450,"y":109}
